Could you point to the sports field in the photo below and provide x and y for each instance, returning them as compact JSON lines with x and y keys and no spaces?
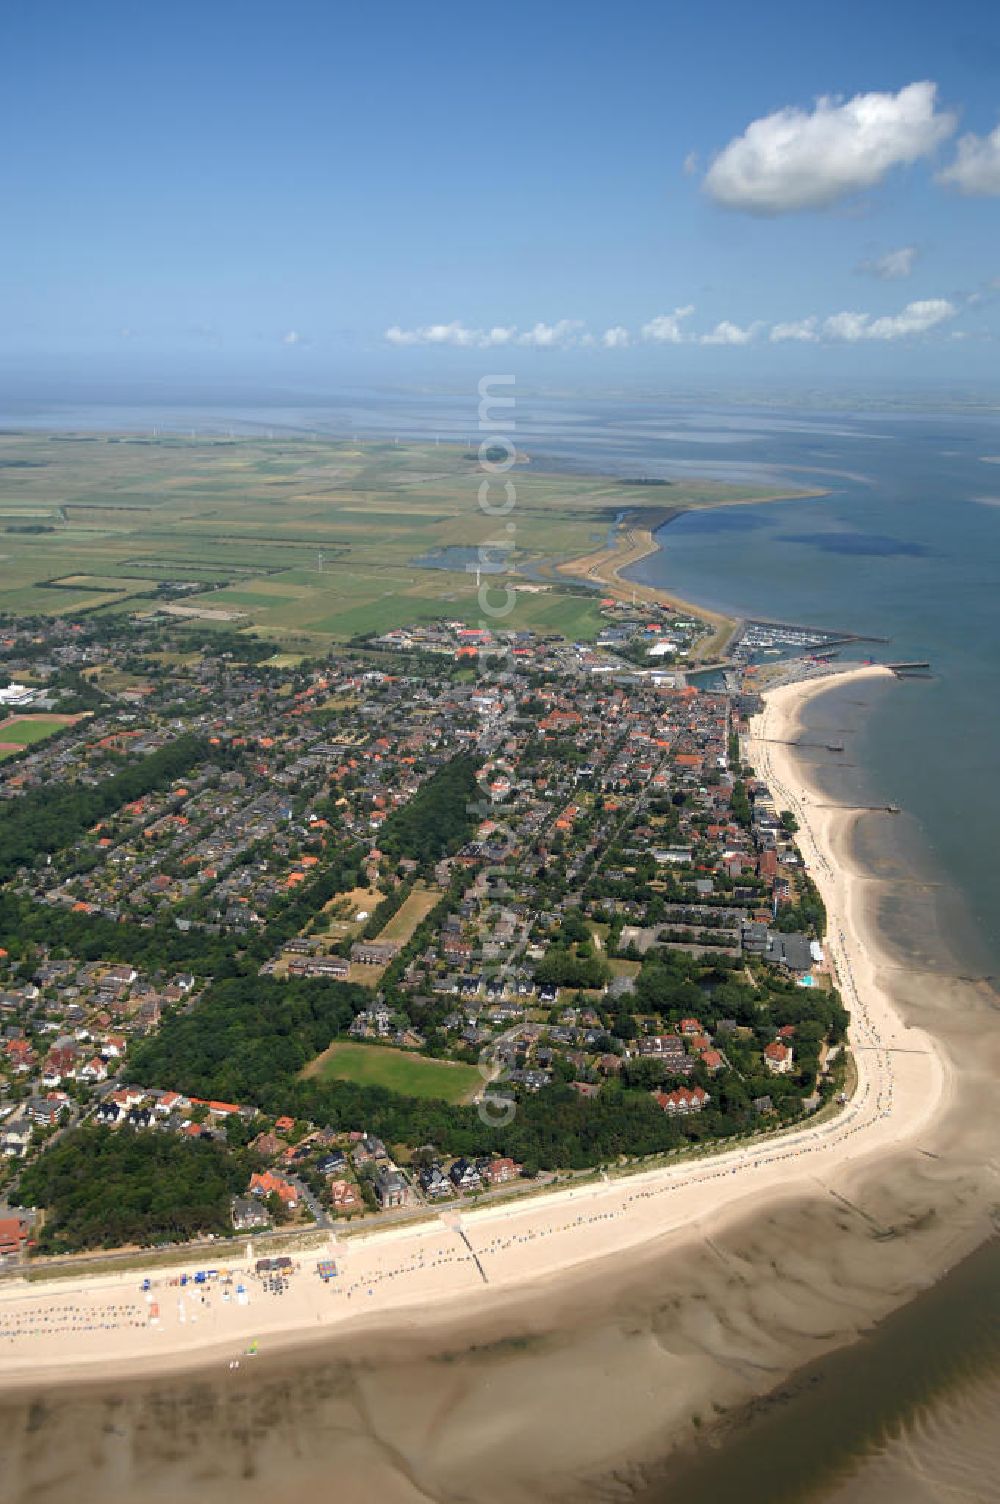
{"x":299,"y":540}
{"x":20,"y":731}
{"x":397,"y":1070}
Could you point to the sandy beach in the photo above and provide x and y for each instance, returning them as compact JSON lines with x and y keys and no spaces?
{"x":69,"y":1329}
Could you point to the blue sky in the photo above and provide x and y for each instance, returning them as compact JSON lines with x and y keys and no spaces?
{"x":622,"y":193}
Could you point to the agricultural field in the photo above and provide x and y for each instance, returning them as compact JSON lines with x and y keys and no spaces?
{"x":397,"y":1070}
{"x":302,"y":541}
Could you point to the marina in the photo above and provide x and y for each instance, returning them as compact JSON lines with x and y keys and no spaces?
{"x":754,"y":637}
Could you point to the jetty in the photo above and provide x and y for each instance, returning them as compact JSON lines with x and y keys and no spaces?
{"x":910,"y":670}
{"x":777,"y":741}
{"x":863,"y":809}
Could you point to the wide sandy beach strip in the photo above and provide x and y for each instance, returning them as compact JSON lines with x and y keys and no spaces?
{"x":465,"y":1266}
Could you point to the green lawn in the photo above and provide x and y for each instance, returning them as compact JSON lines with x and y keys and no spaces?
{"x":17,"y":734}
{"x":397,"y":1070}
{"x":25,"y":732}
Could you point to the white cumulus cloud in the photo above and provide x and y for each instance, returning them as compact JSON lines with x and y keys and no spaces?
{"x":892,"y":265}
{"x":801,"y":330}
{"x":551,"y":336}
{"x":797,"y":159}
{"x":665,"y":328}
{"x":915,"y":318}
{"x":976,"y":168}
{"x":847,"y":327}
{"x":460,"y":337}
{"x":726,"y":333}
{"x":455,"y":334}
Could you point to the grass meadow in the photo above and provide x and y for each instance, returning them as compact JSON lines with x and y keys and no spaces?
{"x":397,"y":1070}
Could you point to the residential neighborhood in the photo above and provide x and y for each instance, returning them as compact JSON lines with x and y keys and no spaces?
{"x":515,"y":873}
